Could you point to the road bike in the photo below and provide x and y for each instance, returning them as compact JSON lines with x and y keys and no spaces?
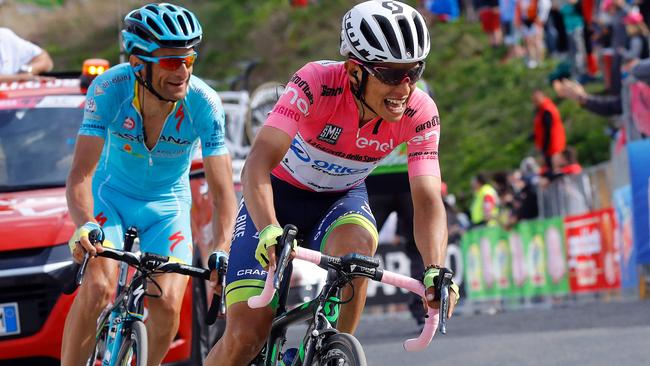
{"x":323,"y":344}
{"x":121,"y":336}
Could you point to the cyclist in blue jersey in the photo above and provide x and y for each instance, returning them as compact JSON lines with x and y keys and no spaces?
{"x":144,"y":121}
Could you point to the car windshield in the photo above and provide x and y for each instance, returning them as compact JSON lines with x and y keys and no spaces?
{"x":36,"y":146}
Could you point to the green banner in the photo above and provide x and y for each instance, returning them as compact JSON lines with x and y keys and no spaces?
{"x":529,"y":260}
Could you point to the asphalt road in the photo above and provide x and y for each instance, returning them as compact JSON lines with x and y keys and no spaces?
{"x":593,"y":333}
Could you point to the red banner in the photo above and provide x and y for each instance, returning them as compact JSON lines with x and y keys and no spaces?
{"x":592,"y":253}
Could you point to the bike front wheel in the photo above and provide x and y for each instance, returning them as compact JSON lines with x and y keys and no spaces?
{"x":133,"y":351}
{"x":340,"y":349}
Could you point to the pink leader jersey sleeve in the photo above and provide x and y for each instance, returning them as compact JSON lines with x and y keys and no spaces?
{"x":423,"y":136}
{"x":296,"y":101}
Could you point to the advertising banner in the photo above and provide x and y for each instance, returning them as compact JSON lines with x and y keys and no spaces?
{"x":593,"y":257}
{"x":530,"y":260}
{"x":639,"y":157}
{"x":624,"y":237}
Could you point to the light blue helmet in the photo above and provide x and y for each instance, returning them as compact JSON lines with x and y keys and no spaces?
{"x":161,"y":25}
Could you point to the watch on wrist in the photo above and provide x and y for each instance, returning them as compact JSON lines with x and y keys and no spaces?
{"x":26,"y":69}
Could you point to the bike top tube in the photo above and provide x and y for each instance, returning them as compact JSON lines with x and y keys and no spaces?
{"x":355,"y":267}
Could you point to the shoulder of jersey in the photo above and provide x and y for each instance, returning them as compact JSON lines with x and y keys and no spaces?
{"x":116,"y":77}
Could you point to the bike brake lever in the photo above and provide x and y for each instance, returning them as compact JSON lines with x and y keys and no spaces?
{"x":223,"y":268}
{"x":444,"y":302}
{"x":286,"y":240}
{"x":82,"y":270}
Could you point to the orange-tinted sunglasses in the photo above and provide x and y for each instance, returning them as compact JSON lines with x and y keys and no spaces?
{"x":172,"y":63}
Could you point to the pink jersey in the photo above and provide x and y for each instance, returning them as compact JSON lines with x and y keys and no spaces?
{"x":329,"y":151}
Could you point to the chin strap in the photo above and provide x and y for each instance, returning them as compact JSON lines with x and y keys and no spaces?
{"x":147,"y":83}
{"x":359,"y":92}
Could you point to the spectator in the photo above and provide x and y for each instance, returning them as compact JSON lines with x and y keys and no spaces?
{"x":533,"y":14}
{"x":637,"y":41}
{"x":524,"y":186}
{"x":511,"y":38}
{"x":484,"y":209}
{"x":567,"y":162}
{"x":21,"y":59}
{"x":489,"y":15}
{"x":548,"y":129}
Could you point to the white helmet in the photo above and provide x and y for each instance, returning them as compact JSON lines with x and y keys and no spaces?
{"x":384,"y":31}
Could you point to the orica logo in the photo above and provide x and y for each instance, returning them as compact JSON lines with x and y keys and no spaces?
{"x":300,"y":151}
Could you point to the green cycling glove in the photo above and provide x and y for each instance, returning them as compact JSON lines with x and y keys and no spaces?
{"x":431,"y":277}
{"x":268,"y":237}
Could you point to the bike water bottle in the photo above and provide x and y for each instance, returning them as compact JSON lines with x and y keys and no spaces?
{"x":288,"y":357}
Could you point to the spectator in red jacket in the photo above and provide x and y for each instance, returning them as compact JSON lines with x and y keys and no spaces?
{"x":548,"y":129}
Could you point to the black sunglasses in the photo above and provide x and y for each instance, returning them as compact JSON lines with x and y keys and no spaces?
{"x":394,"y":76}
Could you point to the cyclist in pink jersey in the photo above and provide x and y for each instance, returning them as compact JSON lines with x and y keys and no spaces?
{"x":330,"y":128}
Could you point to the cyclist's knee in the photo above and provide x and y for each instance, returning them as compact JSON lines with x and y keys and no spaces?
{"x":96,"y":292}
{"x":340,"y":241}
{"x":240,"y":335}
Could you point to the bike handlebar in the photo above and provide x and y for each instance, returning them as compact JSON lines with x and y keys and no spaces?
{"x":391,"y":278}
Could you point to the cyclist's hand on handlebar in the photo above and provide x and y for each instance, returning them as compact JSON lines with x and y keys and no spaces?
{"x":80,"y":244}
{"x":432,"y":280}
{"x":220,"y":258}
{"x":265,"y":252}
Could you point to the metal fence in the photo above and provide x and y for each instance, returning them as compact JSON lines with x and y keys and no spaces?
{"x":577,"y":193}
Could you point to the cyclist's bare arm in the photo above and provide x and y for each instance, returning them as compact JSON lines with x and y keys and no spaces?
{"x":218,"y":173}
{"x":429,"y":222}
{"x":269,"y":148}
{"x":78,"y":192}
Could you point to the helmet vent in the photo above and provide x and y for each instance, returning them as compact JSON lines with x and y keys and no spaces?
{"x":407,"y":35}
{"x":419,"y":28}
{"x":389,"y":34}
{"x":137,"y":16}
{"x":369,"y":36}
{"x":182,"y":23}
{"x":152,"y":8}
{"x":154,"y":27}
{"x":169,"y":24}
{"x":190,"y":22}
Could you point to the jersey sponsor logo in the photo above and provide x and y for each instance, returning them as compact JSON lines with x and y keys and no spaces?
{"x":99,"y":90}
{"x":433,"y":122}
{"x":322,"y":165}
{"x":300,"y":103}
{"x":175,"y":239}
{"x":101,"y":219}
{"x":299,"y":150}
{"x":92,"y":126}
{"x":363,"y":143}
{"x":256,"y":272}
{"x":240,"y":225}
{"x":326,"y":91}
{"x":330,"y":134}
{"x":115,"y":80}
{"x":286,"y":112}
{"x":129,"y":123}
{"x":304,"y":86}
{"x":128,"y":136}
{"x":214,"y":144}
{"x":91,"y":107}
{"x":127,"y":148}
{"x":420,"y":139}
{"x":175,"y":140}
{"x":410,"y":112}
{"x":180,"y":116}
{"x":336,"y":169}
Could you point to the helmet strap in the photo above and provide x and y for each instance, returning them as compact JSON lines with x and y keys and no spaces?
{"x":360,"y":91}
{"x":147,"y":83}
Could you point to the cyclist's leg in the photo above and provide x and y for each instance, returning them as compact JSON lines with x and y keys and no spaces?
{"x":97,"y":289}
{"x":350,"y":228}
{"x":164,"y":229}
{"x":246,"y":328}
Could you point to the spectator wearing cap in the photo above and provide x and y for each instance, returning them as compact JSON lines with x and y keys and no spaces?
{"x":21,"y":59}
{"x":637,"y":42}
